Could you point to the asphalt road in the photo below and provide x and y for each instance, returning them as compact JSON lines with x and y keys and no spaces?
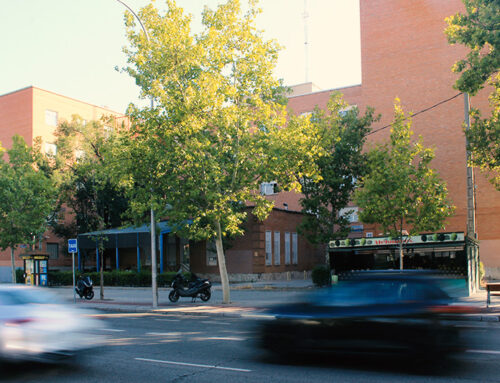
{"x":181,"y":348}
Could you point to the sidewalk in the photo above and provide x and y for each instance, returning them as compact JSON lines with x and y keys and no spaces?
{"x":247,"y":299}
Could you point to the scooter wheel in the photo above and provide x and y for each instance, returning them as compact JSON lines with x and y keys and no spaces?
{"x":89,"y":295}
{"x":173,"y":296}
{"x":205,"y":295}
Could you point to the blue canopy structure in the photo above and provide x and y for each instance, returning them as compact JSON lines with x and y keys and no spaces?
{"x":126,"y":237}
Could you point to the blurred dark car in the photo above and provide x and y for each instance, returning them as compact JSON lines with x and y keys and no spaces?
{"x":374,"y":312}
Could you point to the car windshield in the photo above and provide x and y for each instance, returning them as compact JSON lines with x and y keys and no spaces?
{"x":25,"y":296}
{"x":372,"y":292}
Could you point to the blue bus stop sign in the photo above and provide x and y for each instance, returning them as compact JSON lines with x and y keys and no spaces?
{"x":72,"y":246}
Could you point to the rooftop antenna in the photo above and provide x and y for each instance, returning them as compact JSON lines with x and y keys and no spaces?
{"x":305,"y":15}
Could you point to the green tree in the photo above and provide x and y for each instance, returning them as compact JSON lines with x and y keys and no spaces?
{"x":201,"y":154}
{"x":27,"y":196}
{"x":343,"y":133}
{"x":478,"y":29}
{"x":484,"y":137}
{"x":83,"y":167}
{"x":82,"y":170}
{"x":400,"y":189}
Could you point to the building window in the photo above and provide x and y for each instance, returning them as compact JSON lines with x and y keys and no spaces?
{"x":287,"y":248}
{"x":351,"y":213}
{"x":50,"y":117}
{"x":79,"y":154}
{"x":108,"y":131}
{"x":211,"y":253}
{"x":277,"y":254}
{"x":343,"y":112}
{"x":50,"y":149}
{"x":295,"y":249}
{"x":268,"y":188}
{"x":53,"y":250}
{"x":269,"y":249}
{"x":369,"y":234}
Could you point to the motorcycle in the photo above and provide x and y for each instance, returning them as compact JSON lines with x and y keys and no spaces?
{"x":84,"y":287}
{"x":196,"y":287}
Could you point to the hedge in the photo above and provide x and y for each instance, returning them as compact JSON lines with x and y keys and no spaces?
{"x":114,"y":278}
{"x":321,"y":276}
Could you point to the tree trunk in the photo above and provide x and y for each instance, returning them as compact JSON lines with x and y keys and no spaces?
{"x":401,"y":253}
{"x":101,"y":292}
{"x":154,"y":269}
{"x":222,"y":265}
{"x":12,"y":259}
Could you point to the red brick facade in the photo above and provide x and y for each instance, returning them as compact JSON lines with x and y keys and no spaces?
{"x":247,"y":254}
{"x":405,"y":54}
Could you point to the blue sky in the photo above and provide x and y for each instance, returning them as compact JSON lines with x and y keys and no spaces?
{"x":71,"y":47}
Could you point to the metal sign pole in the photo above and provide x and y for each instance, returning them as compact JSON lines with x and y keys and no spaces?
{"x":73,"y":268}
{"x":73,"y":248}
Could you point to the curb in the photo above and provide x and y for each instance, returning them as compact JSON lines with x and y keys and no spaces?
{"x":251,"y":312}
{"x":241,"y":311}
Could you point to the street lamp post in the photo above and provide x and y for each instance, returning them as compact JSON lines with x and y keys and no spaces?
{"x":154,"y":285}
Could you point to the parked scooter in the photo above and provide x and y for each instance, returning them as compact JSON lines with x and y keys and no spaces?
{"x":84,"y":287}
{"x":194,"y":288}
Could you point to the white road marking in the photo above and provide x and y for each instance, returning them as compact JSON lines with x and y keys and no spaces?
{"x":220,"y":338}
{"x":215,"y":322}
{"x":494,"y":352}
{"x":193,"y":365}
{"x":164,"y":333}
{"x":111,"y":329}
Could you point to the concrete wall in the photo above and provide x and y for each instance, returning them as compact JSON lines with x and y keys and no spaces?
{"x":5,"y":274}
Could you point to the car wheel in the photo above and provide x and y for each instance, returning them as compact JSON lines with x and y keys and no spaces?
{"x":205,"y":295}
{"x":173,"y":296}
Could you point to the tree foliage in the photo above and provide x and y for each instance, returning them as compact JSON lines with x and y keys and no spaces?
{"x":83,"y":166}
{"x":342,"y":162}
{"x":215,"y":133}
{"x":484,"y":137}
{"x":27,"y":195}
{"x":479,"y":30}
{"x":400,"y":190}
{"x":82,"y":170}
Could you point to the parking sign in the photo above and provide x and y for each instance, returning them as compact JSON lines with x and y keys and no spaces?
{"x":72,"y":245}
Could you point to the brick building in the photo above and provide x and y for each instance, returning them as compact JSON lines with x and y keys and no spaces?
{"x":405,"y":54}
{"x":32,"y":112}
{"x":271,"y":249}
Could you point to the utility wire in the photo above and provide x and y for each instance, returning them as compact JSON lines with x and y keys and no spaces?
{"x":417,"y":113}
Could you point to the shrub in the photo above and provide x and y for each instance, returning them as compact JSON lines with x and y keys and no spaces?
{"x":111,"y":278}
{"x":321,"y":276}
{"x":19,"y":276}
{"x":165,"y":279}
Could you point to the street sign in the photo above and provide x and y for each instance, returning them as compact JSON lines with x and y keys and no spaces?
{"x":73,"y":248}
{"x":72,"y":245}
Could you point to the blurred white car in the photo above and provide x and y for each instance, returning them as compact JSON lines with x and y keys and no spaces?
{"x":35,"y":325}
